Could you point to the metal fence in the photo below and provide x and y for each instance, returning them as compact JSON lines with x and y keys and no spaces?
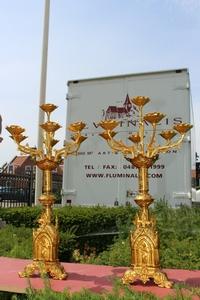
{"x":19,"y":190}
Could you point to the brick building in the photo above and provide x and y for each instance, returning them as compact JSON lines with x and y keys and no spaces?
{"x":24,"y":164}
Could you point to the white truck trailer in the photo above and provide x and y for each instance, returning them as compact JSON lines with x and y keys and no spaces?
{"x":97,"y":176}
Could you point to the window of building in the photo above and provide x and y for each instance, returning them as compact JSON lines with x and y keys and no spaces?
{"x":10,"y":169}
{"x":27,"y":169}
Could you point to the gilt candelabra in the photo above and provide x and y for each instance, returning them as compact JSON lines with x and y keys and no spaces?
{"x":46,"y":236}
{"x":142,"y":154}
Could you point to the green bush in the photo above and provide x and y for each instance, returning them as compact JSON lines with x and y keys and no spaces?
{"x":95,"y":219}
{"x":21,"y":216}
{"x":179,"y":235}
{"x":82,"y":229}
{"x":67,"y":245}
{"x":84,"y":219}
{"x":118,"y":254}
{"x":16,"y":242}
{"x":87,"y":223}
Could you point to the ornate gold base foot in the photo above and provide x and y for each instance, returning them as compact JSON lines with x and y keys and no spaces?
{"x":53,"y":269}
{"x":145,"y":274}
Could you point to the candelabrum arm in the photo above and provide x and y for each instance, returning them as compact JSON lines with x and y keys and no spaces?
{"x":69,"y":149}
{"x":120,"y":146}
{"x":31,"y":151}
{"x":141,"y":130}
{"x":152,"y":139}
{"x":169,"y":145}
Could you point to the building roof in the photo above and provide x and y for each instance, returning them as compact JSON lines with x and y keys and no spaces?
{"x":111,"y":109}
{"x":115,"y":109}
{"x":121,"y":110}
{"x":19,"y":160}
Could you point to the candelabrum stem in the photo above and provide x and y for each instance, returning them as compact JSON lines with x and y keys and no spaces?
{"x":141,"y":129}
{"x":143,"y":180}
{"x":47,"y":181}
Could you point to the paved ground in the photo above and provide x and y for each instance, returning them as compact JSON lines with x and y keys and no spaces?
{"x":93,"y":277}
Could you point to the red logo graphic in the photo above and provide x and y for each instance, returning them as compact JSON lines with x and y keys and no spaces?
{"x":119,"y":112}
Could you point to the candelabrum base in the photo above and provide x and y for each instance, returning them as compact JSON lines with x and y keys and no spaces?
{"x":144,"y":244}
{"x":52,"y":268}
{"x":145,"y":274}
{"x":45,"y":250}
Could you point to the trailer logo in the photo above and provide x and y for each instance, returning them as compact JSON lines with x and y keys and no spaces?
{"x":119,"y":112}
{"x":128,"y":110}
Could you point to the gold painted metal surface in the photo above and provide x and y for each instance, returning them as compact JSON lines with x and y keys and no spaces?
{"x":142,"y":154}
{"x":46,"y":236}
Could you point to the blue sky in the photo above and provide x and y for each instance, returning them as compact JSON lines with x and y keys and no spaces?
{"x":90,"y":38}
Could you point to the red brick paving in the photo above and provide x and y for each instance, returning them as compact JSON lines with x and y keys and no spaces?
{"x":93,"y":277}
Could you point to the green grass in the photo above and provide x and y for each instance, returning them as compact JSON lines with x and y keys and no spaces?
{"x":16,"y":242}
{"x":119,"y":292}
